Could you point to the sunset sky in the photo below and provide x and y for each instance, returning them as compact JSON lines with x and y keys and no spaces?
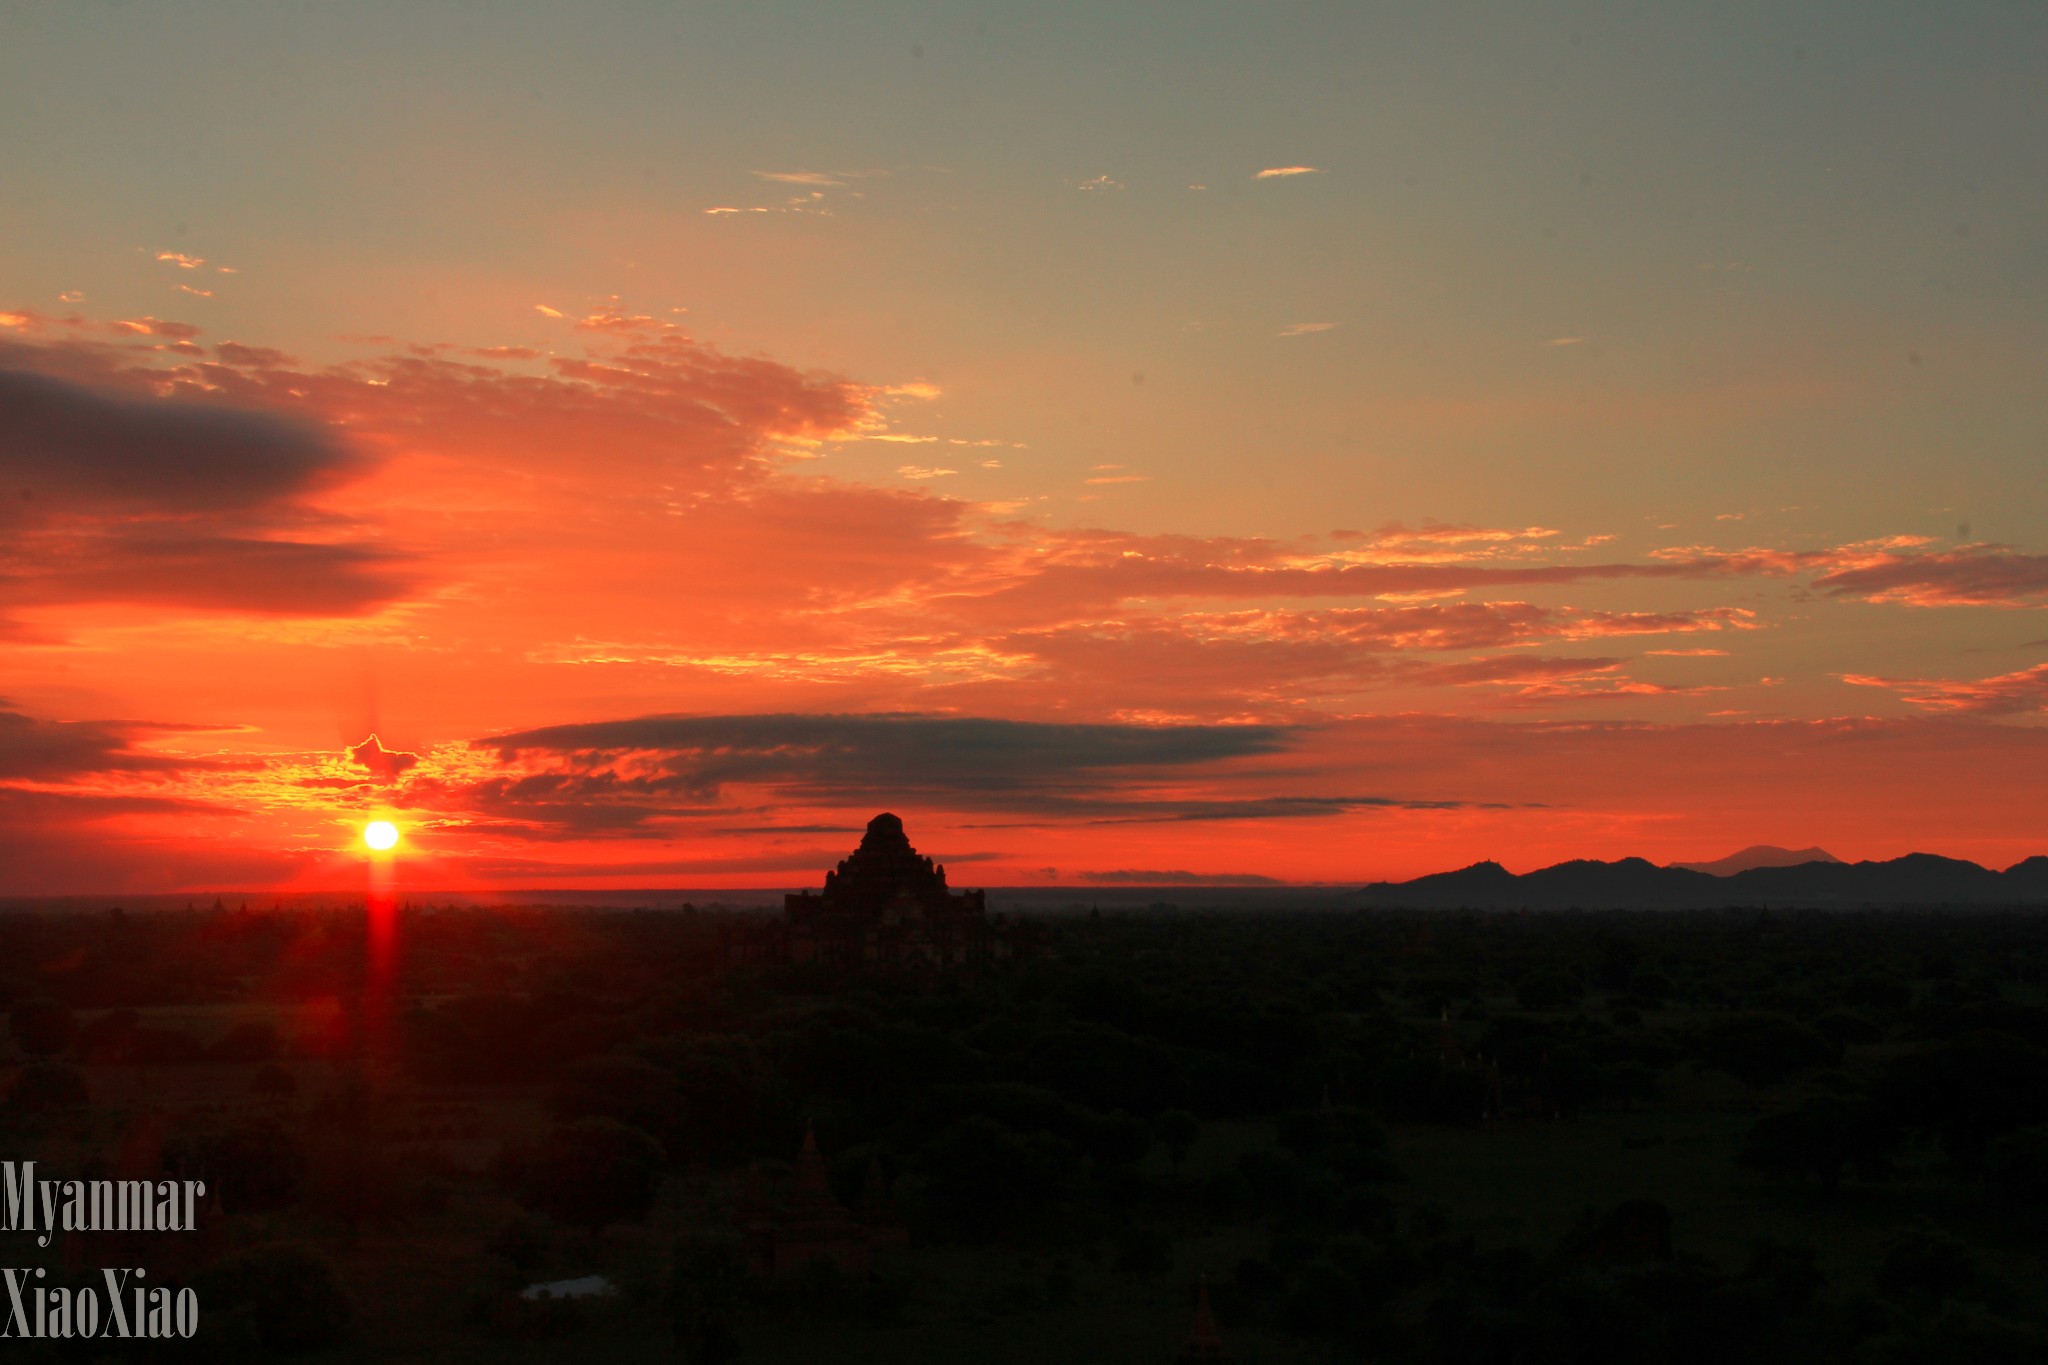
{"x":1134,"y":442}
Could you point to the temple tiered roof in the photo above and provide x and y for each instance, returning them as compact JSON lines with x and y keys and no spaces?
{"x":800,"y":1220}
{"x":885,"y":879}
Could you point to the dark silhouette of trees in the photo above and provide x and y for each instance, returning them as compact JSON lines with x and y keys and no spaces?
{"x":2016,"y":1168}
{"x":1762,"y":1049}
{"x":250,"y":1168}
{"x":1176,"y":1130}
{"x":273,"y":1081}
{"x":981,"y":1179}
{"x":44,"y":1087}
{"x":1013,"y":1106}
{"x":1967,"y":1090}
{"x":1819,"y":1143}
{"x":246,"y":1042}
{"x":708,"y":1297}
{"x":44,"y":1027}
{"x":592,"y":1171}
{"x":287,"y":1293}
{"x":627,"y":1089}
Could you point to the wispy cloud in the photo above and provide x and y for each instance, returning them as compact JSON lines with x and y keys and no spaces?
{"x":1302,"y":329}
{"x":911,"y":471}
{"x":813,"y":202}
{"x":820,"y":178}
{"x":1279,"y":172}
{"x":1889,"y":569}
{"x":2006,"y":694}
{"x":1131,"y":876}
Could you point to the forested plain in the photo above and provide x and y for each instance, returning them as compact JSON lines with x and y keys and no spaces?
{"x":1464,"y":1138}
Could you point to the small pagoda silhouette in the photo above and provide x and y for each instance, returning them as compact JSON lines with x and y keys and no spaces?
{"x":1204,"y":1341}
{"x":878,"y":1209}
{"x":800,"y":1221}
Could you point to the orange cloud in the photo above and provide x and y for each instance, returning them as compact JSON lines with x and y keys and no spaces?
{"x":2007,"y":694}
{"x":385,"y":765}
{"x":1892,"y":569}
{"x":446,"y":542}
{"x":800,"y":178}
{"x":131,"y":498}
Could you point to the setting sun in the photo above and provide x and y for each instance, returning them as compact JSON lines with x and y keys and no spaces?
{"x":380,"y":835}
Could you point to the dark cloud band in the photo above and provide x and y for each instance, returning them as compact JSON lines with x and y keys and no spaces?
{"x":889,"y":750}
{"x":66,"y":449}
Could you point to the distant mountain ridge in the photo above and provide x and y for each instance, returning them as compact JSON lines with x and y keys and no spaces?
{"x":1760,"y":855}
{"x":1636,"y":883}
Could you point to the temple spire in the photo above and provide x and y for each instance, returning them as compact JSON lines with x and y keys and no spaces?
{"x":1204,"y":1341}
{"x":810,"y":1166}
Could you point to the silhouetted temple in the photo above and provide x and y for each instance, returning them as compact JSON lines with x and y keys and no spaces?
{"x":884,"y":883}
{"x":799,"y":1221}
{"x":884,"y":903}
{"x":786,"y":1222}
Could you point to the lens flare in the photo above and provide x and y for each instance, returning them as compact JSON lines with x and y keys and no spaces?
{"x":380,"y":835}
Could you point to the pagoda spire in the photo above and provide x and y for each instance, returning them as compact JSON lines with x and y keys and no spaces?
{"x":874,"y":1193}
{"x":810,"y":1166}
{"x":1204,"y":1341}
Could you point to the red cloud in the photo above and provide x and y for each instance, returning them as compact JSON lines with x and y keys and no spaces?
{"x":385,"y":765}
{"x":151,"y":473}
{"x":630,"y":530}
{"x":2007,"y":694}
{"x":47,"y":750}
{"x":131,"y":497}
{"x":1976,"y":575}
{"x":1211,"y":662}
{"x":1893,"y":569}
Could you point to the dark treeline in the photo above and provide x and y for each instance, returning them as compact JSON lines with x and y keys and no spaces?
{"x":1431,"y":1137}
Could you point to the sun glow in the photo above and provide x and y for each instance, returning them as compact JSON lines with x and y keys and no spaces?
{"x":381,"y":835}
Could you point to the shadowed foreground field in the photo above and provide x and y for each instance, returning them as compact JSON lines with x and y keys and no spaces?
{"x":1387,"y":1136}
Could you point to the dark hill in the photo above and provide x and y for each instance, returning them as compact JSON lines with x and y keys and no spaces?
{"x":1761,"y":855}
{"x":2031,"y":875}
{"x":1633,"y":883}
